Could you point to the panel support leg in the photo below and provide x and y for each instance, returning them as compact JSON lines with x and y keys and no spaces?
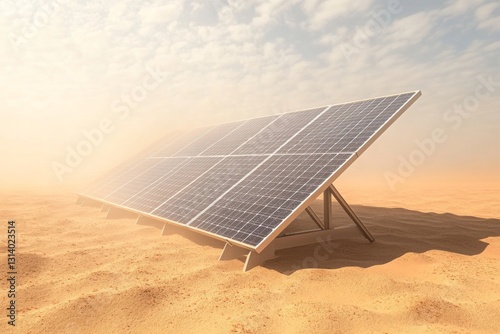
{"x":141,"y":220}
{"x":164,"y":230}
{"x":256,"y":259}
{"x":79,"y":200}
{"x":253,"y":259}
{"x":327,"y":207}
{"x":105,"y":208}
{"x":231,"y":252}
{"x":351,"y":214}
{"x":115,"y":213}
{"x":92,"y":203}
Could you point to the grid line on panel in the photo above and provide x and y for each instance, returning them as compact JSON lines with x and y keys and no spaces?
{"x":343,"y":128}
{"x":373,"y":124}
{"x":236,"y":139}
{"x":179,"y":143}
{"x":199,"y":194}
{"x":215,"y":134}
{"x":116,"y":181}
{"x":278,"y":132}
{"x":140,"y":195}
{"x":132,"y":178}
{"x":362,"y":108}
{"x":109,"y":176}
{"x":253,"y":209}
{"x":207,"y":170}
{"x":145,"y":180}
{"x":326,"y":129}
{"x":221,"y":196}
{"x":311,"y":146}
{"x":221,"y":139}
{"x":154,"y":196}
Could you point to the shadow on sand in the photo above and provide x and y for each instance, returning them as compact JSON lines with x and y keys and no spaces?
{"x":397,"y":232}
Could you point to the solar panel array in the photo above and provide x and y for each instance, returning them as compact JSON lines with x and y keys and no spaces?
{"x":241,"y":181}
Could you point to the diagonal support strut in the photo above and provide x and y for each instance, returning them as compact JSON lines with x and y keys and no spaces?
{"x":351,"y":214}
{"x":315,"y":217}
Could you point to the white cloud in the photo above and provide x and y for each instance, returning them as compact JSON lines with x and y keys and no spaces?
{"x":162,"y":14}
{"x":409,"y":30}
{"x":492,"y":24}
{"x":484,"y":12}
{"x":460,"y":7}
{"x":267,"y":11}
{"x":323,"y":12}
{"x":486,"y":18}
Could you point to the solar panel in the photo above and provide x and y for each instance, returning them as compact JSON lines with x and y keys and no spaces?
{"x":245,"y":181}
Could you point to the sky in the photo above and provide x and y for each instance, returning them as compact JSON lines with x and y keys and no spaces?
{"x":87,"y":84}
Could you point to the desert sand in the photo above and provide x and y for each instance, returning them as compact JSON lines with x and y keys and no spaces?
{"x":426,"y":273}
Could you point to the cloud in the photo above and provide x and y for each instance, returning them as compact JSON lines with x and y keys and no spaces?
{"x":484,"y":12}
{"x":409,"y":30}
{"x":486,"y":18}
{"x":267,"y":12}
{"x":162,"y":14}
{"x":460,"y":7}
{"x":323,"y":12}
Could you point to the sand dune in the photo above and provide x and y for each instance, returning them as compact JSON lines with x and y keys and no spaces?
{"x":81,"y":273}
